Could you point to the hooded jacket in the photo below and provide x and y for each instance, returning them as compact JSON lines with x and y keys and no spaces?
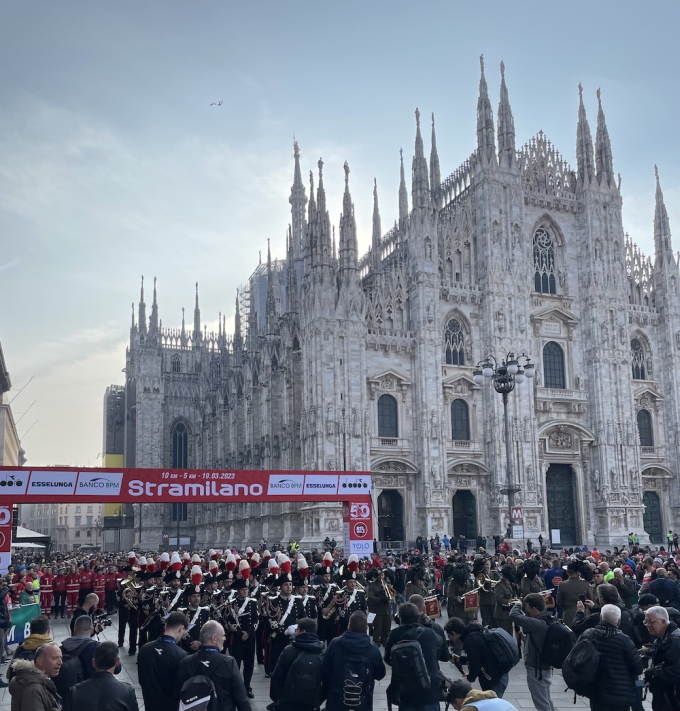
{"x":478,"y":700}
{"x":279,"y":691}
{"x":83,"y":648}
{"x":26,"y":650}
{"x":340,"y":650}
{"x":31,"y":689}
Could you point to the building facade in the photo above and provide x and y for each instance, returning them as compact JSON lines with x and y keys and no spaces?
{"x":11,"y":453}
{"x":343,"y":361}
{"x":70,"y":526}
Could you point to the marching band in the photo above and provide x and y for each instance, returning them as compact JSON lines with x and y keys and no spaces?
{"x":257,"y":599}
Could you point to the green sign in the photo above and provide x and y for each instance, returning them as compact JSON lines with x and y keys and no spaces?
{"x":21,"y":622}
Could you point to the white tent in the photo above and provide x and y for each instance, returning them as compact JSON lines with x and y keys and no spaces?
{"x":28,"y":545}
{"x":26,"y":538}
{"x":23,"y":532}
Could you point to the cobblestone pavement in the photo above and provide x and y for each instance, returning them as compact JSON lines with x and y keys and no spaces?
{"x":517,"y":692}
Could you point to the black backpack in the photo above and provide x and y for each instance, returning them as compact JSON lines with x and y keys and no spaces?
{"x":197,"y":694}
{"x":357,"y":683}
{"x":580,"y":668}
{"x":71,"y":673}
{"x":558,"y":642}
{"x":303,"y":680}
{"x":408,"y":668}
{"x":502,"y":651}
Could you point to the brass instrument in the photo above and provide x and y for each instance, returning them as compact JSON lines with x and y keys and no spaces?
{"x":328,"y":612}
{"x":484,"y":582}
{"x":390,"y":592}
{"x":129,"y":593}
{"x":275,"y":618}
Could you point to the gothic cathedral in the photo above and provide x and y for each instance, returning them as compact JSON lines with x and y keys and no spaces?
{"x":340,"y":361}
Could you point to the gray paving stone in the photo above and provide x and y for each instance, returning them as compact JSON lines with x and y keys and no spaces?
{"x":517,"y":692}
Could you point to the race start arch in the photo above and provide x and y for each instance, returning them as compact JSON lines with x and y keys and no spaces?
{"x":65,"y":485}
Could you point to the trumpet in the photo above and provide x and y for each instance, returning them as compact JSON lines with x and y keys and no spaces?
{"x":484,"y":582}
{"x":389,"y":590}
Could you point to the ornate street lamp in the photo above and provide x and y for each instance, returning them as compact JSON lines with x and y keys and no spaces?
{"x":505,"y":375}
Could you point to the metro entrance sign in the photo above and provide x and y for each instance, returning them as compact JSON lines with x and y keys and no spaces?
{"x":88,"y":485}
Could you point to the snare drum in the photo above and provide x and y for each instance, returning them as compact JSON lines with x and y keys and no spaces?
{"x":432,"y":607}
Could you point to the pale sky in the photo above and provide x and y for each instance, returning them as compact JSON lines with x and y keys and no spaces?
{"x":113,"y":163}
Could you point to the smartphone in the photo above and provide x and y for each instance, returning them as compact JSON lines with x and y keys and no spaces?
{"x":582,"y":598}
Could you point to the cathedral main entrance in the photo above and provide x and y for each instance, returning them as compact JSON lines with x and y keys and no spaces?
{"x":651,"y":518}
{"x":464,"y":514}
{"x":561,"y":488}
{"x":390,"y":516}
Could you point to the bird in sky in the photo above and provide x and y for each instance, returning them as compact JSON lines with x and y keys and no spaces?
{"x":216,"y":103}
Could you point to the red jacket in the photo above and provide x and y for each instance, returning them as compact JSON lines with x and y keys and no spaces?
{"x":86,"y":579}
{"x":59,"y":583}
{"x":111,"y":581}
{"x":73,"y":582}
{"x":99,"y":582}
{"x":46,"y":583}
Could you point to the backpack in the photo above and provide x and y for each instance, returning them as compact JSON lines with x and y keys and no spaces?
{"x":558,"y":642}
{"x":197,"y":694}
{"x":71,"y":673}
{"x":502,"y":652}
{"x":580,"y":669}
{"x":408,"y":668}
{"x":303,"y":680}
{"x":357,"y":683}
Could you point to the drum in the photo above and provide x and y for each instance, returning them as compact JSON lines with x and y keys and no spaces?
{"x":432,"y":607}
{"x":471,"y":602}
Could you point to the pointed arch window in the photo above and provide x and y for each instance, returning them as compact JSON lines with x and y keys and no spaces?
{"x":388,"y":417}
{"x":640,"y":360}
{"x":460,"y":421}
{"x":176,"y":363}
{"x":553,"y":366}
{"x":544,"y":262}
{"x":454,"y":343}
{"x":180,"y":446}
{"x":645,"y":429}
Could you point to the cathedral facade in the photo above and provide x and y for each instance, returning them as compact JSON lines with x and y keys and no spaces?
{"x":342,"y":361}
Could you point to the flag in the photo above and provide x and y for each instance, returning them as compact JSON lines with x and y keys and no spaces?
{"x":21,"y":622}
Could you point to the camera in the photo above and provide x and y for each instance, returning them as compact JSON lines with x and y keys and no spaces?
{"x":101,"y":620}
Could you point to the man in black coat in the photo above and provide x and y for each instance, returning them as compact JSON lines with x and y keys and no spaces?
{"x":158,"y":664}
{"x":419,"y":602}
{"x":221,"y":668}
{"x":102,"y":691}
{"x":620,"y":662}
{"x":414,"y":698}
{"x":282,"y":690}
{"x":663,"y":675}
{"x":353,"y":652}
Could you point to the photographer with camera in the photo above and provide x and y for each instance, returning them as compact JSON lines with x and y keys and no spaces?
{"x":91,"y":609}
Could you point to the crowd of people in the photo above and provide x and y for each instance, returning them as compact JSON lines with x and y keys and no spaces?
{"x":323,"y":628}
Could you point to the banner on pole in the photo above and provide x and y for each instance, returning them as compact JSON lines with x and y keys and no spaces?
{"x":21,"y":622}
{"x":5,"y":538}
{"x":131,"y":486}
{"x":64,"y":485}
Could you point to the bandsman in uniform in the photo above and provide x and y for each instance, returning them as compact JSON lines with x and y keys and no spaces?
{"x":244,"y":610}
{"x":308,"y":603}
{"x":196,"y":613}
{"x":284,"y":612}
{"x":354,"y":597}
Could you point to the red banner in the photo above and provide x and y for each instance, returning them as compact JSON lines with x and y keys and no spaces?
{"x":5,"y":537}
{"x":70,"y":485}
{"x":358,"y":527}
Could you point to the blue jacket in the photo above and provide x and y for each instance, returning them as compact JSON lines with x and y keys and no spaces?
{"x":340,"y":651}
